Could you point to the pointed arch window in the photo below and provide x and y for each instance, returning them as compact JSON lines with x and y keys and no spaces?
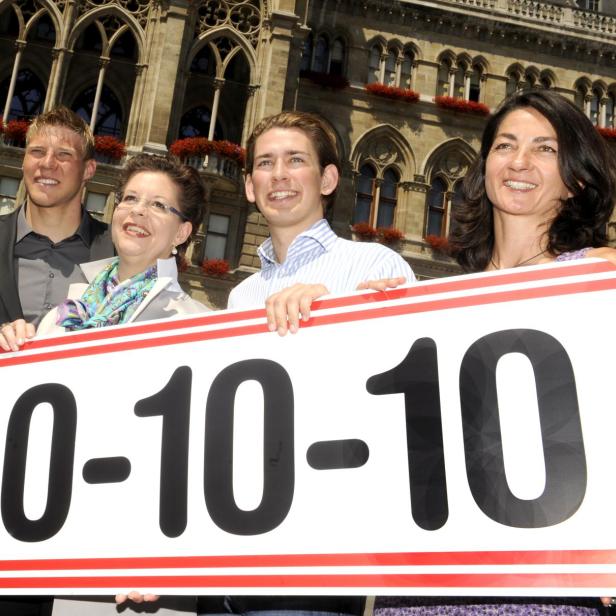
{"x":374,"y":64}
{"x":406,"y":72}
{"x":307,"y":53}
{"x":336,"y":62}
{"x":474,"y":92}
{"x":594,"y":107}
{"x":109,"y":112}
{"x":364,"y":194}
{"x":321,"y":53}
{"x":436,"y":222}
{"x":388,"y":197}
{"x":389,"y":77}
{"x":28,"y":97}
{"x":609,"y":110}
{"x":196,"y":123}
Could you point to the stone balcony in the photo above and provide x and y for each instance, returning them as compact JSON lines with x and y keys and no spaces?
{"x":556,"y":17}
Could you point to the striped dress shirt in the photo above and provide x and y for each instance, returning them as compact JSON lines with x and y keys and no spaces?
{"x":319,"y":256}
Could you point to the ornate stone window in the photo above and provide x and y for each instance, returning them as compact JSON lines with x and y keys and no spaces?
{"x":28,"y":95}
{"x":445,"y":171}
{"x":216,"y":91}
{"x":109,"y":116}
{"x":376,"y":197}
{"x":30,"y":33}
{"x":610,"y":105}
{"x":392,"y":65}
{"x":244,"y":16}
{"x":326,"y":55}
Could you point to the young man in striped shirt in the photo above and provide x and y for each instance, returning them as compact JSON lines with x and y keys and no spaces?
{"x":292,"y":173}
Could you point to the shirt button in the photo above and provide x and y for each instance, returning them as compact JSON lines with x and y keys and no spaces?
{"x":51,"y":274}
{"x":48,"y":306}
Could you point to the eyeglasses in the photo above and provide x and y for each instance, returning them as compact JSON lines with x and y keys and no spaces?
{"x":128,"y":202}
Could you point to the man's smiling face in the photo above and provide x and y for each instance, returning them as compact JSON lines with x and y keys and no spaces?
{"x":54,"y":169}
{"x":286,"y":181}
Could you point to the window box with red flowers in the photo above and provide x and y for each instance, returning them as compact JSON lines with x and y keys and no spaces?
{"x":217,"y":268}
{"x":607,"y":133}
{"x":363,"y":232}
{"x":390,"y":236}
{"x":109,"y":149}
{"x":15,"y":132}
{"x":215,"y":157}
{"x":438,"y":244}
{"x":326,"y":80}
{"x":462,"y":105}
{"x":392,"y":92}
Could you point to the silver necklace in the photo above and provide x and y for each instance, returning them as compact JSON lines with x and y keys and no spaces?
{"x":521,"y":262}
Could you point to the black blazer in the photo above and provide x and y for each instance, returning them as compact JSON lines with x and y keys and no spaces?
{"x":10,"y":306}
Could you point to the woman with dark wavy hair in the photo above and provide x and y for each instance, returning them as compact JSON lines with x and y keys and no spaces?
{"x":541,"y":189}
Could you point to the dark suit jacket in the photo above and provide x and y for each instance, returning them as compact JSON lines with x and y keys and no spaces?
{"x":10,"y":306}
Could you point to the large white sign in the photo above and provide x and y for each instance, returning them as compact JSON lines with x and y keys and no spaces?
{"x":452,"y":437}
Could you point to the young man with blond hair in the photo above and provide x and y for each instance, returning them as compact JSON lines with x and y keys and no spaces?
{"x":44,"y":240}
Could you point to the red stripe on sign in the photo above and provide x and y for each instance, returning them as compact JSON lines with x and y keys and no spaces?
{"x":392,"y":580}
{"x":345,"y":317}
{"x":455,"y":284}
{"x":546,"y":557}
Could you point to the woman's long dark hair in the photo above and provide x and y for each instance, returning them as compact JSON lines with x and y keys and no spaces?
{"x":586,"y":168}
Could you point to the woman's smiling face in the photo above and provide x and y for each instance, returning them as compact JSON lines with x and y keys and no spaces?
{"x":142,"y":233}
{"x":522,"y":175}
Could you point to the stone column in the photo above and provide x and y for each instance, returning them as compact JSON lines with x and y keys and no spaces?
{"x":218,"y":85}
{"x":467,"y":85}
{"x":19,"y":46}
{"x":104,"y":63}
{"x":165,"y":57}
{"x":452,"y":81}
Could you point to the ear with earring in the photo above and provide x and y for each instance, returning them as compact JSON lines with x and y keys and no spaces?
{"x":174,"y":251}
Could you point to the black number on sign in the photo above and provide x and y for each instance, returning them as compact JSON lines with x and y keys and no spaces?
{"x":417,"y":378}
{"x":59,"y":489}
{"x":172,"y":402}
{"x":561,"y":431}
{"x":278,"y":450}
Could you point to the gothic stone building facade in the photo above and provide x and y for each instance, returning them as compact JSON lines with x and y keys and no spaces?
{"x":152,"y":73}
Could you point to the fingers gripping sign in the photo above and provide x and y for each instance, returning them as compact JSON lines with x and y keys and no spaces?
{"x":14,"y":335}
{"x":285,"y":308}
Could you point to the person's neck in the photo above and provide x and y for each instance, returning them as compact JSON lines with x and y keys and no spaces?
{"x":283,"y":237}
{"x":128,"y":268}
{"x":519,"y":241}
{"x":57,"y":223}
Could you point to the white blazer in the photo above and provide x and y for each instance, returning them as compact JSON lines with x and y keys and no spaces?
{"x":165,"y":299}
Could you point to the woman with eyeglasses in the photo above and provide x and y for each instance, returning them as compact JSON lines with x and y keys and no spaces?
{"x":159,"y":207}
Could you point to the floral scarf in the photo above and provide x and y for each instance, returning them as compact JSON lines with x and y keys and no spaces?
{"x":106,"y":301}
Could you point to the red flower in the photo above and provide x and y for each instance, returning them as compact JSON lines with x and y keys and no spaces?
{"x":460,"y":104}
{"x":438,"y":243}
{"x":1,"y":124}
{"x":230,"y":150}
{"x":200,"y":146}
{"x":109,"y":146}
{"x":389,"y":235}
{"x":364,"y":230}
{"x":398,"y":94}
{"x":215,"y":267}
{"x":15,"y":130}
{"x":607,"y":133}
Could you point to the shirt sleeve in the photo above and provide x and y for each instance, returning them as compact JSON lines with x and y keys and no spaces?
{"x":392,"y":265}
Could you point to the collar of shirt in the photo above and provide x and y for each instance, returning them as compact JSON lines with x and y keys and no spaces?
{"x":165,"y":269}
{"x":84,"y":231}
{"x":319,"y":238}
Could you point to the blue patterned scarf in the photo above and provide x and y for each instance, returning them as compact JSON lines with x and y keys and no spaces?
{"x":106,"y":301}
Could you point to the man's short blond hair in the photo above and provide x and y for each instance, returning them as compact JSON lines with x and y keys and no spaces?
{"x":65,"y":118}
